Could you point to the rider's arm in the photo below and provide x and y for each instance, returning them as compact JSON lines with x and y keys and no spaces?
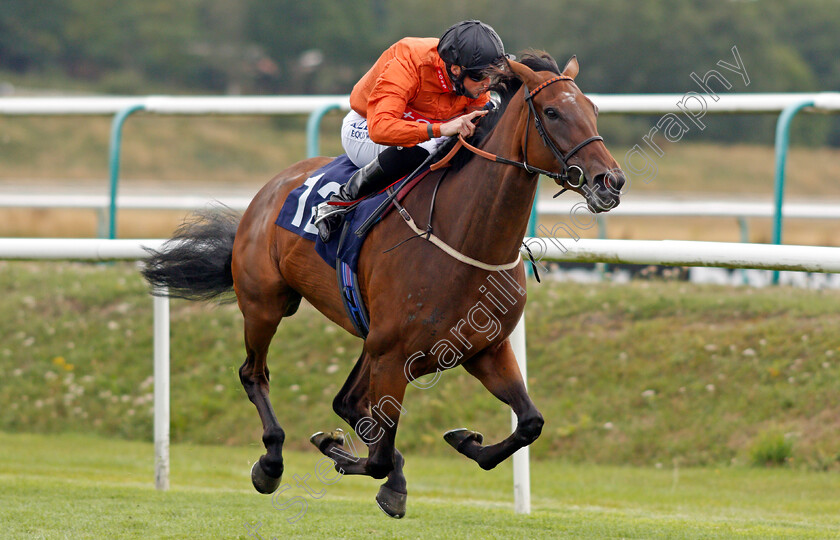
{"x":395,"y":87}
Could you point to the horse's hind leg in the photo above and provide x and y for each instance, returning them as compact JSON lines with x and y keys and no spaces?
{"x":498,"y":371}
{"x":263,"y":311}
{"x":352,"y":404}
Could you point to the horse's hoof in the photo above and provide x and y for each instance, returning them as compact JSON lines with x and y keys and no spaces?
{"x":262,"y":482}
{"x":321,"y":439}
{"x":458,"y":437}
{"x":391,"y":502}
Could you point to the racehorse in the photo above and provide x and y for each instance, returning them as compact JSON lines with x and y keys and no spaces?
{"x":423,"y":297}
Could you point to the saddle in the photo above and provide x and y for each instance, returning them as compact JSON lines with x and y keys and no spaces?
{"x":342,"y":250}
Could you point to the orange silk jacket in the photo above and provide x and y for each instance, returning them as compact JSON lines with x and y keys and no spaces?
{"x":407,"y":89}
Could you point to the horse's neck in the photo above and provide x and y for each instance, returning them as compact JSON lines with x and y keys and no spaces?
{"x":488,"y":212}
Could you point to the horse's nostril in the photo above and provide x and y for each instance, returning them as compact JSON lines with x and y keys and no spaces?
{"x":614,"y":181}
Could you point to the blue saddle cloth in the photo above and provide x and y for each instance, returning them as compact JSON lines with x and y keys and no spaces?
{"x":296,"y":214}
{"x":341,"y":254}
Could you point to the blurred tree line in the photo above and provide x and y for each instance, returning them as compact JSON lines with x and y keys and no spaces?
{"x":323,"y":46}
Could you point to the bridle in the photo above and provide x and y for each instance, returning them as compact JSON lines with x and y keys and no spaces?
{"x":563,"y":176}
{"x":558,"y":155}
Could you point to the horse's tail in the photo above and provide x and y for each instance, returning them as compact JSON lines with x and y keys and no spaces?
{"x":195,"y":263}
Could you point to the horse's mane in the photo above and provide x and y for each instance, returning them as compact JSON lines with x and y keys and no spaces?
{"x":505,"y":87}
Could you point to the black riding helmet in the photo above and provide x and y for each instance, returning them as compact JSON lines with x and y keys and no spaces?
{"x":473,"y":45}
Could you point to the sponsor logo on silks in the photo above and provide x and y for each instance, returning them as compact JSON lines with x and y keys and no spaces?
{"x":415,"y":116}
{"x":442,"y":79}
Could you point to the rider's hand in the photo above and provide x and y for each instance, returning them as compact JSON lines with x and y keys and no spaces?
{"x":463,"y":125}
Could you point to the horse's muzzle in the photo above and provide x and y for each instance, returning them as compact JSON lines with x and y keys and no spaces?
{"x":606,"y":191}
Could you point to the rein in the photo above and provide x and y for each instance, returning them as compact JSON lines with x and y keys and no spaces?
{"x":462,"y":143}
{"x":562,"y":159}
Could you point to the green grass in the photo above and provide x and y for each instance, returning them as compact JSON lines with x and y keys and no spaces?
{"x":75,"y":486}
{"x":644,"y":373}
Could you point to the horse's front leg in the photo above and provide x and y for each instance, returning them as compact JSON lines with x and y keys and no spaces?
{"x":498,"y":371}
{"x":352,"y":404}
{"x":371,"y":402}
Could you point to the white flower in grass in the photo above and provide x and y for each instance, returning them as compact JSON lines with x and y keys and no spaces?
{"x":647,"y":394}
{"x":332,"y":368}
{"x":748,"y":352}
{"x":294,"y":387}
{"x":710,"y":388}
{"x":608,"y":426}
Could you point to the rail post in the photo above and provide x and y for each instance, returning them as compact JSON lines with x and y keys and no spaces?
{"x":521,"y":458}
{"x":313,"y":129}
{"x":161,"y":378}
{"x":114,"y":163}
{"x":782,"y":143}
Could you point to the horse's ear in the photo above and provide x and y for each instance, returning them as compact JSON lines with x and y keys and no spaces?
{"x":524,"y":73}
{"x":572,"y":68}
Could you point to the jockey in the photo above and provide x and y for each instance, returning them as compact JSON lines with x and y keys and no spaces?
{"x":418,"y":93}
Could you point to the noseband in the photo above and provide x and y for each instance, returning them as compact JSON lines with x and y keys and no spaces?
{"x":561,"y":159}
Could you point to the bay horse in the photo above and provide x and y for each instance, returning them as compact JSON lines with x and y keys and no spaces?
{"x":423,"y":301}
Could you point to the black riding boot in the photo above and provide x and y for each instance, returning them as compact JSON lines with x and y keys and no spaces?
{"x":391,"y":164}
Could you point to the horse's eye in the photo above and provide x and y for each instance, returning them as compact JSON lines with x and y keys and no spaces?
{"x":551,"y":113}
